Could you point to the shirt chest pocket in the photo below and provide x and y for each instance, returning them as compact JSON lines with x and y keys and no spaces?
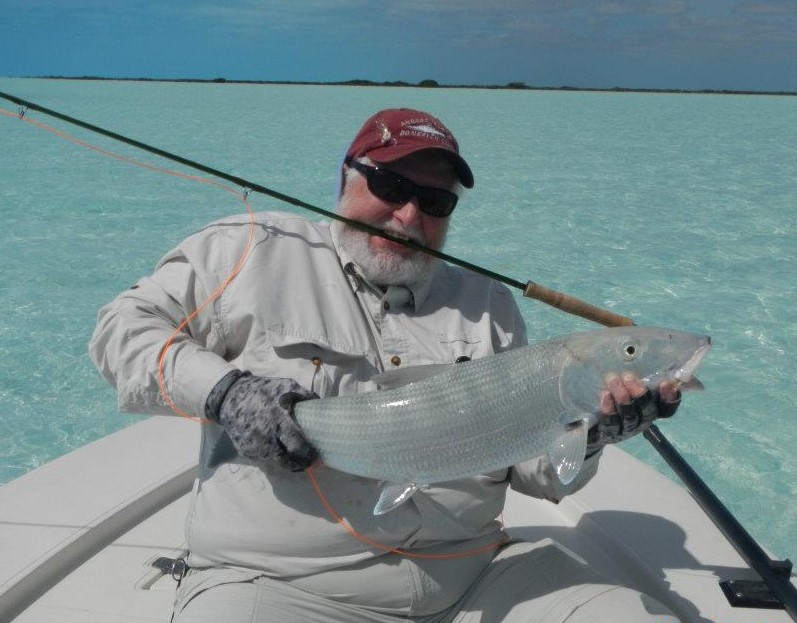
{"x":463,"y":346}
{"x":313,"y":363}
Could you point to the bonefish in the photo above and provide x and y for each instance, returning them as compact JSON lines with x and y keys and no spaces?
{"x":451,"y":421}
{"x":475,"y":417}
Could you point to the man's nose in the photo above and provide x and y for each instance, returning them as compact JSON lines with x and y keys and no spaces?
{"x":409,"y":213}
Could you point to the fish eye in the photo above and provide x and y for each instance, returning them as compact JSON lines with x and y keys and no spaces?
{"x":629,"y":351}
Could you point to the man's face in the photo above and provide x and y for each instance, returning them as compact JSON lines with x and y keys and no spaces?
{"x":388,"y":262}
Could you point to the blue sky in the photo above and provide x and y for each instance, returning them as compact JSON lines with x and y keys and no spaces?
{"x":689,"y":44}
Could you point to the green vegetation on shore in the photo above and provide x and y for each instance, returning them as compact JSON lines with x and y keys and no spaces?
{"x":430,"y":84}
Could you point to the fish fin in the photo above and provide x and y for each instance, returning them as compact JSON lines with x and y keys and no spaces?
{"x":568,"y":451}
{"x":579,"y":387}
{"x":398,"y":378}
{"x":223,"y":451}
{"x":394,"y":495}
{"x":693,"y":385}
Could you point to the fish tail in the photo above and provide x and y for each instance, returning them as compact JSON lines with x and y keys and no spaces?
{"x":394,"y":495}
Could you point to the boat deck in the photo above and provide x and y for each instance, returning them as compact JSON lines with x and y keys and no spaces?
{"x":78,"y":535}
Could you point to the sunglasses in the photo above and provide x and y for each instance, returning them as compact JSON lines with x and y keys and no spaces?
{"x":393,"y":188}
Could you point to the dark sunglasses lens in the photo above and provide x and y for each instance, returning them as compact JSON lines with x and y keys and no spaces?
{"x":396,"y":189}
{"x":388,"y":186}
{"x":436,"y":201}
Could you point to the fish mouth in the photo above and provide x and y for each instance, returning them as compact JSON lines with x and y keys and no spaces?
{"x":686,"y":373}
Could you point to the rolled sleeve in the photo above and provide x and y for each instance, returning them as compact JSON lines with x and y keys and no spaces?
{"x":133,"y":329}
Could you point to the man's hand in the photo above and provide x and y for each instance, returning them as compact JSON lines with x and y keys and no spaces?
{"x":627,"y":407}
{"x":257,"y":414}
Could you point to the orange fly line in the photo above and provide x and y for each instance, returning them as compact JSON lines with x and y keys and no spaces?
{"x":243,"y":197}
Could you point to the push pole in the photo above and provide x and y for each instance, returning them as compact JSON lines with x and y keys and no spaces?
{"x":775,"y":574}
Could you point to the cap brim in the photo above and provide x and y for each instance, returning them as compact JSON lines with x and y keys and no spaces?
{"x":392,"y":153}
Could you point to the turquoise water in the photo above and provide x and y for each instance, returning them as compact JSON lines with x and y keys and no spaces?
{"x":677,"y":210}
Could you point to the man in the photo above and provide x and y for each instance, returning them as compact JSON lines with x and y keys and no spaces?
{"x":317,"y":311}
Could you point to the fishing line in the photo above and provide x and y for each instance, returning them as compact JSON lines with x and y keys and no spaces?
{"x":394,"y":550}
{"x":212,"y":297}
{"x":243,"y":197}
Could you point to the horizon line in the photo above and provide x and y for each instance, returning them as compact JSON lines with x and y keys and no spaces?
{"x":427,"y":83}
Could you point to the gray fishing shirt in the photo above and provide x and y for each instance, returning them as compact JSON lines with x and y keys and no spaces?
{"x":300,"y":309}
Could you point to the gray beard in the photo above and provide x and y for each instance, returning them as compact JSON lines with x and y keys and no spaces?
{"x":384,"y":268}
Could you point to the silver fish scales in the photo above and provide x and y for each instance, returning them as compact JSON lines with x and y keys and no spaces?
{"x":479,"y":416}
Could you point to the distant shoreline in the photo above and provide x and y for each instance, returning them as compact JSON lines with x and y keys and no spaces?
{"x":428,"y":84}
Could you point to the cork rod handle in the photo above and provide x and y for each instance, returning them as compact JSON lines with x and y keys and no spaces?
{"x":575,"y":306}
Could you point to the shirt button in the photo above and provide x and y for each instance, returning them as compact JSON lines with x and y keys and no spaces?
{"x":395,"y":360}
{"x":316,"y":361}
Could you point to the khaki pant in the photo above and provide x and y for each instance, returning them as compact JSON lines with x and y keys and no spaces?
{"x":525,"y":583}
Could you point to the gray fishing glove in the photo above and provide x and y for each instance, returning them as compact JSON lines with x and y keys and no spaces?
{"x":629,"y":419}
{"x":257,"y":414}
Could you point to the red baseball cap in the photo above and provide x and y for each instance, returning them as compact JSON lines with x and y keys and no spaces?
{"x":394,"y":133}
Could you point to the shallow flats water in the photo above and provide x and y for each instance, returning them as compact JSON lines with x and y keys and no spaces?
{"x":678,"y":210}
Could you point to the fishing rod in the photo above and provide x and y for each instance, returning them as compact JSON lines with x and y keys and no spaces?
{"x":530,"y":289}
{"x":775,"y":574}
